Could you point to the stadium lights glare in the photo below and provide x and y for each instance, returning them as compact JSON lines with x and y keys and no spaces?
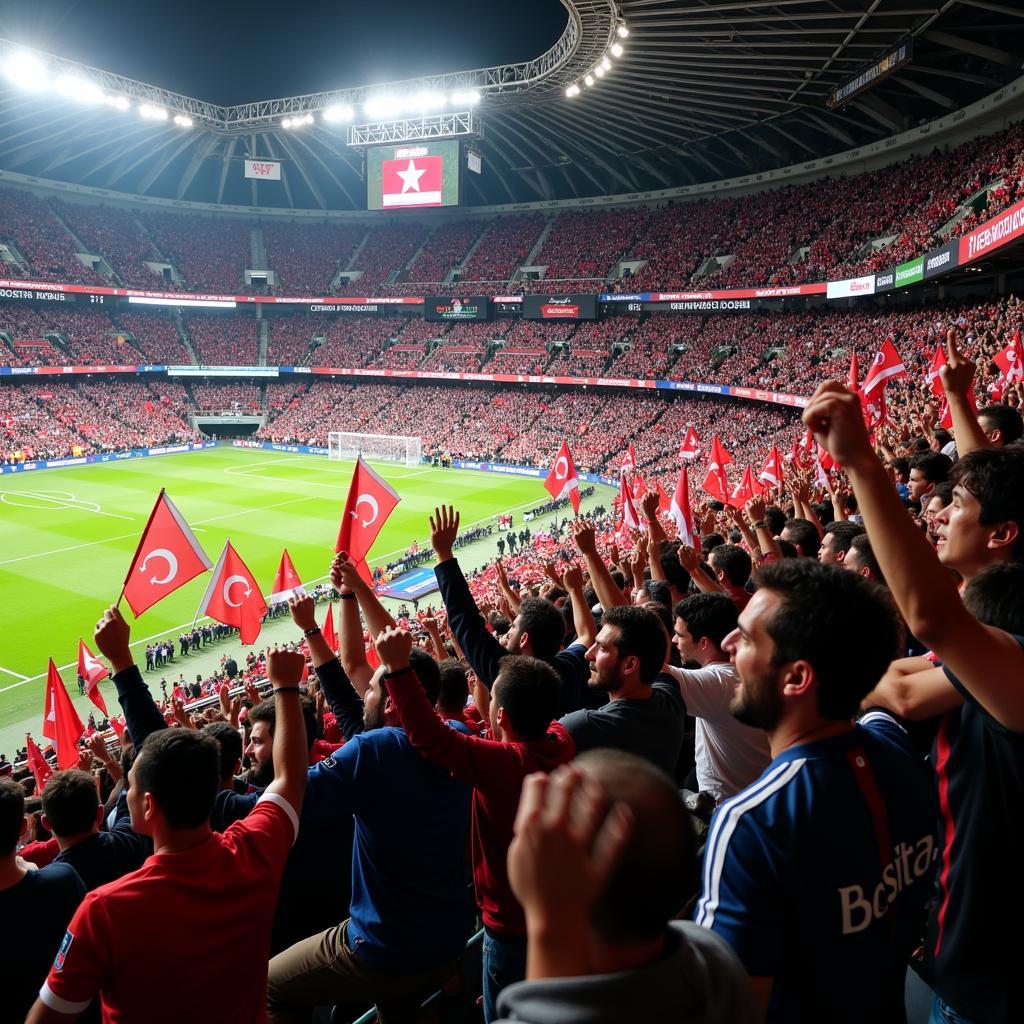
{"x":599,"y":71}
{"x":622,"y":31}
{"x":182,"y":121}
{"x":336,"y":114}
{"x":118,"y":102}
{"x":79,"y":89}
{"x":428,"y":99}
{"x":606,"y":64}
{"x":465,"y":98}
{"x":589,"y":80}
{"x":573,"y":90}
{"x":148,"y":111}
{"x":616,"y":49}
{"x":26,"y":71}
{"x":382,"y":106}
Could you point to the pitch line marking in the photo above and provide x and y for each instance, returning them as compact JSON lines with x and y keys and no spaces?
{"x":60,"y":500}
{"x":11,"y":672}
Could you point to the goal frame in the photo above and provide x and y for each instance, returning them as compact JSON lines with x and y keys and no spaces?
{"x":399,"y":448}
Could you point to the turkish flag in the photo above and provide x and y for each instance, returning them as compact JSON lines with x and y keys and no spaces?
{"x":1011,"y":360}
{"x":690,"y":448}
{"x":562,"y":478}
{"x":886,"y":365}
{"x":938,"y":360}
{"x":716,"y":483}
{"x":411,"y":181}
{"x":168,"y":556}
{"x":771,"y":475}
{"x":92,"y":671}
{"x":286,"y":583}
{"x":744,"y":490}
{"x":630,"y":519}
{"x":233,"y":596}
{"x":60,"y":721}
{"x":681,"y":511}
{"x":37,"y":764}
{"x":639,"y":487}
{"x":629,"y":459}
{"x":370,"y":501}
{"x":328,"y":631}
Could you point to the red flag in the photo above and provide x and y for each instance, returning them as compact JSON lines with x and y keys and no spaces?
{"x":562,"y":479}
{"x":630,"y":518}
{"x":230,"y":576}
{"x":886,"y":365}
{"x":377,"y":498}
{"x":61,"y":722}
{"x":629,"y":460}
{"x":411,"y":182}
{"x":286,"y":583}
{"x":1011,"y":360}
{"x":681,"y":511}
{"x":328,"y":631}
{"x":744,"y":490}
{"x":771,"y":475}
{"x":932,"y":376}
{"x":853,"y":381}
{"x":37,"y":764}
{"x":664,"y":502}
{"x":639,"y":487}
{"x":716,"y":483}
{"x":690,"y":448}
{"x":117,"y":724}
{"x":92,"y":670}
{"x":168,"y":556}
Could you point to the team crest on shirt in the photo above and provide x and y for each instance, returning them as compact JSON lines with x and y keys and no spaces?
{"x":62,"y":953}
{"x":329,"y":762}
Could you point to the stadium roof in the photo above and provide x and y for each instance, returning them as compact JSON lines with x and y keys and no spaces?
{"x":701,"y":91}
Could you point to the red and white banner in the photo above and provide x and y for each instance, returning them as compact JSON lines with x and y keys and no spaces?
{"x":716,"y":483}
{"x":37,"y":764}
{"x":266,"y":170}
{"x":1002,"y":228}
{"x":886,"y":365}
{"x":690,"y":448}
{"x":630,"y":519}
{"x":411,"y":182}
{"x":681,"y":510}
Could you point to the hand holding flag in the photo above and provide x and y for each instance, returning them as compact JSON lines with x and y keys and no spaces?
{"x":681,"y":510}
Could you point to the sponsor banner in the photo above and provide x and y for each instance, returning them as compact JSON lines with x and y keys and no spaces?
{"x":624,"y":308}
{"x":410,"y":585}
{"x":872,"y":75}
{"x":781,"y":292}
{"x":910,"y":272}
{"x":625,"y":297}
{"x":686,"y":385}
{"x":775,"y":397}
{"x":560,"y":307}
{"x":939,"y":261}
{"x":476,"y":307}
{"x":222,"y":371}
{"x":36,"y":295}
{"x":993,"y":234}
{"x":341,"y":307}
{"x":334,"y":300}
{"x":886,"y":281}
{"x":851,"y":287}
{"x":707,"y":306}
{"x":263,"y":170}
{"x":508,"y":300}
{"x":42,"y":371}
{"x":134,"y":453}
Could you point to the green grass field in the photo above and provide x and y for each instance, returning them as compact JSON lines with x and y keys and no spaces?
{"x":69,"y":535}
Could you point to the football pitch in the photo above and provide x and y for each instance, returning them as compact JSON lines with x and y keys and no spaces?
{"x":69,"y":536}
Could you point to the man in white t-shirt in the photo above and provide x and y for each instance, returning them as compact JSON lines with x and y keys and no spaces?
{"x":730,"y":755}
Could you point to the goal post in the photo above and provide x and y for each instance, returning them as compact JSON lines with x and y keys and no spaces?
{"x":374,"y":447}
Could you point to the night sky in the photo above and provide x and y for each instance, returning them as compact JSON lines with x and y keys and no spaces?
{"x":232,"y":52}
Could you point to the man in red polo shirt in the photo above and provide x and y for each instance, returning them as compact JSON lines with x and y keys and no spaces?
{"x":199,"y":910}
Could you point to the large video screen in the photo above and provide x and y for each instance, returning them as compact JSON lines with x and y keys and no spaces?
{"x":413,"y":175}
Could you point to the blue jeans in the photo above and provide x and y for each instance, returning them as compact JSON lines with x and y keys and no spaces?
{"x":504,"y":962}
{"x":943,"y":1013}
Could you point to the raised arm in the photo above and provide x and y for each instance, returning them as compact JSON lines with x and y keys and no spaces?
{"x":582,"y":616}
{"x":986,"y":661}
{"x":690,"y":560}
{"x":957,"y":378}
{"x":604,"y":586}
{"x":350,"y":629}
{"x":291,"y":751}
{"x":508,"y":593}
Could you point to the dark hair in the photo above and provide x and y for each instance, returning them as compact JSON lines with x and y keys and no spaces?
{"x":787,"y":548}
{"x":428,"y":672}
{"x":942,"y":437}
{"x":862,"y":545}
{"x":733,"y":561}
{"x":844,"y":532}
{"x":709,"y":542}
{"x":529,"y":691}
{"x":901,"y":466}
{"x":661,"y":849}
{"x":993,"y":597}
{"x":454,"y":687}
{"x":544,"y":624}
{"x":12,"y":815}
{"x":1006,"y":420}
{"x":805,"y":535}
{"x":995,"y":476}
{"x":663,"y":612}
{"x":265,"y":711}
{"x":668,"y":558}
{"x":641,"y":634}
{"x":933,"y":466}
{"x":842,"y":624}
{"x":658,"y":592}
{"x":70,"y":801}
{"x":180,"y":768}
{"x":229,"y":741}
{"x":943,"y":491}
{"x":776,"y":519}
{"x":710,"y":615}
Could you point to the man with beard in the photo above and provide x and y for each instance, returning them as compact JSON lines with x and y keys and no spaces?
{"x":645,"y":714}
{"x":817,"y":874}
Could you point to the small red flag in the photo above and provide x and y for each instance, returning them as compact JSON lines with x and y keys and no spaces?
{"x":329,"y":633}
{"x":629,"y":459}
{"x":664,"y":502}
{"x":771,"y":475}
{"x":630,"y":519}
{"x":370,"y":501}
{"x":853,"y":381}
{"x":690,"y":448}
{"x":681,"y":511}
{"x":886,"y":365}
{"x":639,"y":488}
{"x":117,"y":724}
{"x":61,"y":722}
{"x":37,"y":764}
{"x":286,"y":583}
{"x":562,"y":478}
{"x":92,"y":670}
{"x":716,"y":483}
{"x":168,"y":556}
{"x":231,"y":580}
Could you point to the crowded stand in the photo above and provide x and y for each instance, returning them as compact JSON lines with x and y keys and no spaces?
{"x":353,"y":341}
{"x":444,"y":250}
{"x":387,"y":247}
{"x":290,"y":339}
{"x":503,"y":250}
{"x":305,"y":257}
{"x":156,"y":338}
{"x":210,"y":253}
{"x":230,"y":397}
{"x":222,"y":340}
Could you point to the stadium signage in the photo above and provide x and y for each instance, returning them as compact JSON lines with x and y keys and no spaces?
{"x":342,"y":307}
{"x":909,"y":273}
{"x":881,"y":68}
{"x":560,"y":307}
{"x":851,"y":287}
{"x":993,"y":234}
{"x":885,"y":282}
{"x":265,"y":170}
{"x":476,"y":307}
{"x":34,"y":295}
{"x":938,"y":261}
{"x":134,"y":453}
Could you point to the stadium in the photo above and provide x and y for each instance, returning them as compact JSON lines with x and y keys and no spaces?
{"x":705,"y":319}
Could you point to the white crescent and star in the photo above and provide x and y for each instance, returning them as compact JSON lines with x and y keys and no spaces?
{"x":366,"y":499}
{"x":411,"y":177}
{"x":561,"y":467}
{"x":172,"y":565}
{"x":226,"y":590}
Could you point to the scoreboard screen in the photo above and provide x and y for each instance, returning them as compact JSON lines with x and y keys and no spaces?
{"x":413,"y":175}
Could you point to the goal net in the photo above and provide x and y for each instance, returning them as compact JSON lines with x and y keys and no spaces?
{"x":374,"y":447}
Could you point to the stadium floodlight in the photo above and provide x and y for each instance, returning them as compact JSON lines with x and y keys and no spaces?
{"x":336,"y":114}
{"x":465,"y":98}
{"x":118,"y":102}
{"x":182,"y":121}
{"x":599,"y":71}
{"x":622,"y":30}
{"x":81,"y":90}
{"x":589,"y":80}
{"x":573,"y":90}
{"x":26,"y":71}
{"x":382,"y":106}
{"x":616,"y":49}
{"x":286,"y":123}
{"x":152,"y":113}
{"x":606,"y":64}
{"x":427,"y":100}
